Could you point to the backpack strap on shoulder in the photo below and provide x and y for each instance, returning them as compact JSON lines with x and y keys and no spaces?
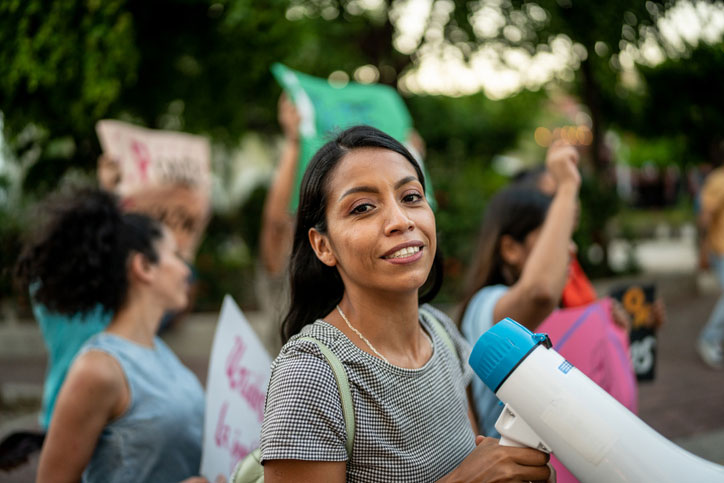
{"x":340,"y":374}
{"x":439,"y":330}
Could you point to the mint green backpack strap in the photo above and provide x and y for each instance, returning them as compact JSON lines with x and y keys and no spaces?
{"x":439,"y":330}
{"x":344,"y":392}
{"x":249,"y":470}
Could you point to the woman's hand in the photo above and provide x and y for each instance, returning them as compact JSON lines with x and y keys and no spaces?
{"x":619,"y":315}
{"x":658,"y":313}
{"x":490,"y":462}
{"x":562,"y":163}
{"x":288,"y":118}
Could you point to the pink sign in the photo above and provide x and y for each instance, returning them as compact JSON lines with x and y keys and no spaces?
{"x":239,"y":372}
{"x":589,"y":339}
{"x":152,"y":157}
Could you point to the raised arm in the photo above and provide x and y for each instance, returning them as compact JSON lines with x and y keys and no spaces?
{"x":277,"y":223}
{"x":538,"y":290}
{"x":93,"y":394}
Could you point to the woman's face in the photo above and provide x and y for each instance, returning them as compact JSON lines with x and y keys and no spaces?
{"x":171,"y":273}
{"x":380,"y":229}
{"x":521,"y":251}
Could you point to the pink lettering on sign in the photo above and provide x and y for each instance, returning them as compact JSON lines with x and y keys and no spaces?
{"x":221,"y":435}
{"x":224,"y":438}
{"x":143,"y":158}
{"x":248,"y":384}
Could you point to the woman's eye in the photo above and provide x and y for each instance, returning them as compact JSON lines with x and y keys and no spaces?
{"x":363,"y":208}
{"x":412,"y":197}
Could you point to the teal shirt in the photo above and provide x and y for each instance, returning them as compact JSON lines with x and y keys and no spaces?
{"x":64,"y":336}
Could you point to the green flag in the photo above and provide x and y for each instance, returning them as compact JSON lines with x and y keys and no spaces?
{"x":326,"y":109}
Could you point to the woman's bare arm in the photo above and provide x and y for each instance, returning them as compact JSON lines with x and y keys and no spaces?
{"x":94,"y":393}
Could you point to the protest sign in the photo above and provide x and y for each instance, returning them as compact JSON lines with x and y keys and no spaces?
{"x":638,"y":301}
{"x":239,"y":371}
{"x":164,"y":174}
{"x":325,"y":109}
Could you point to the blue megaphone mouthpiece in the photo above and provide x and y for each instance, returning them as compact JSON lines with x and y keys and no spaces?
{"x":499,"y":351}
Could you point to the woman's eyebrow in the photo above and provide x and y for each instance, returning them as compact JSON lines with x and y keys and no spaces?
{"x":404,"y":181}
{"x":372,"y":189}
{"x":359,"y":189}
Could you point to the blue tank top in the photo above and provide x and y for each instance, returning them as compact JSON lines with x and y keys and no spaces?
{"x":158,"y":438}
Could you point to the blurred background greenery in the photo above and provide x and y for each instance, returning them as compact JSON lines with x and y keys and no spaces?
{"x":635,"y":84}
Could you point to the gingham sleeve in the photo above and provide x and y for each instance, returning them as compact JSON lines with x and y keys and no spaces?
{"x":303,"y":418}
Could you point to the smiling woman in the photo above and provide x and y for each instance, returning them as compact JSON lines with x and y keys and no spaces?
{"x":364,"y":258}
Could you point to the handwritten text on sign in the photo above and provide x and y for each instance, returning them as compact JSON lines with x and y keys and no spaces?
{"x":239,"y":372}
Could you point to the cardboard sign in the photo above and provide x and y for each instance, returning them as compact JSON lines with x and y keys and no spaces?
{"x":239,"y":372}
{"x":637,"y":300}
{"x":164,"y":174}
{"x":326,"y":109}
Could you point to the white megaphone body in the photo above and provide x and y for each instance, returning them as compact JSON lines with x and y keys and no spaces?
{"x":552,"y":406}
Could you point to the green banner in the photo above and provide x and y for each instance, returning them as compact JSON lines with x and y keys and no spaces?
{"x":326,"y":109}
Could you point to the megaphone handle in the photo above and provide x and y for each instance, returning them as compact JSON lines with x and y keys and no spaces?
{"x":509,"y":442}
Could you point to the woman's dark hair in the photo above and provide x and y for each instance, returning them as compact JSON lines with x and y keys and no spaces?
{"x":78,"y":257}
{"x":529,"y":177}
{"x":315,"y":287}
{"x":514,"y":211}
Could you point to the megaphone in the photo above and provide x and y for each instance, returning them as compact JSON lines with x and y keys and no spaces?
{"x":552,"y":406}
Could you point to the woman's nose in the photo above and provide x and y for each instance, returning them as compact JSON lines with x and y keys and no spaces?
{"x":398,"y":221}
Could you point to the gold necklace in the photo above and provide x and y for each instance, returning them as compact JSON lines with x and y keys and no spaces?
{"x":359,"y":334}
{"x":369,"y":344}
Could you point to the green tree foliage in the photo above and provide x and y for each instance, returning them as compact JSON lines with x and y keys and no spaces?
{"x":195,"y":65}
{"x":64,"y":64}
{"x":599,"y":29}
{"x":684,"y":101}
{"x":202,"y":66}
{"x":463,"y":135}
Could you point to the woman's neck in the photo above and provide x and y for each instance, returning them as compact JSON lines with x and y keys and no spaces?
{"x":138,"y":320}
{"x":390,"y":323}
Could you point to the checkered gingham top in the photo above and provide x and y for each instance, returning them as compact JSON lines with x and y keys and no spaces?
{"x":411,"y":424}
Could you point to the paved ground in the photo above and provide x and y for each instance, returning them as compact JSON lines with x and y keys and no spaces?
{"x":685,"y":403}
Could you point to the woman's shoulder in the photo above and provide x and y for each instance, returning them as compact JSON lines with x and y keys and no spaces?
{"x":478,"y":316}
{"x":491,"y":291}
{"x":95,"y":373}
{"x":486,"y":298}
{"x":302,"y":353}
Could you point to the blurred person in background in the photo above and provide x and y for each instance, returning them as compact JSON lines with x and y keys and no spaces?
{"x":128,"y":409}
{"x":521,"y":263}
{"x":711,"y":225}
{"x":579,"y":290}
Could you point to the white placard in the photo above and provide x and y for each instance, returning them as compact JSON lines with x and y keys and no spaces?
{"x":239,"y":371}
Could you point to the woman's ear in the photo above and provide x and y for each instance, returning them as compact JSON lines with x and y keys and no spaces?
{"x":322,"y":248}
{"x":140,"y":268}
{"x":511,"y":251}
